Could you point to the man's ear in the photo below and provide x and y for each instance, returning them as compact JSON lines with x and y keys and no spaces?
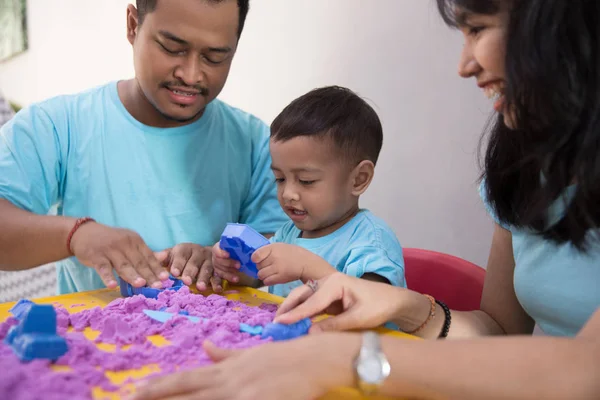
{"x":362,"y":175}
{"x":132,"y":23}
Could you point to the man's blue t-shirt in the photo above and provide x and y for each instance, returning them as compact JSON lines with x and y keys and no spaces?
{"x":86,"y":154}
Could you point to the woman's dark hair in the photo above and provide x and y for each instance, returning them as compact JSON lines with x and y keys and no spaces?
{"x":553,"y":92}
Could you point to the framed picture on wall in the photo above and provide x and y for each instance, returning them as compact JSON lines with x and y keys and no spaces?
{"x":13,"y":28}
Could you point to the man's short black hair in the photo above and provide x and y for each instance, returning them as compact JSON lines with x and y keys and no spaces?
{"x":337,"y":113}
{"x":147,"y":6}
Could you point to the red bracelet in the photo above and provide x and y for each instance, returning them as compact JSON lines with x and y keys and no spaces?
{"x":78,"y":223}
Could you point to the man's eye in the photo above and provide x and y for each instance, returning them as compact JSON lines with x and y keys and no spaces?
{"x":213,"y":61}
{"x":173,"y":52}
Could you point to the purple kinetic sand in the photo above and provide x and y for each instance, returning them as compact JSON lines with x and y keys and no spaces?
{"x":122,"y":322}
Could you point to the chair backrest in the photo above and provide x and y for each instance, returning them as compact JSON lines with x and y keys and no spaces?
{"x":456,"y":282}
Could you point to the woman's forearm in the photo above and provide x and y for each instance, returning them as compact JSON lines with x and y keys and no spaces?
{"x":520,"y":367}
{"x":413,"y":310}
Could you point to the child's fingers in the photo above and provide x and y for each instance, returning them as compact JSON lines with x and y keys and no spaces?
{"x":266,"y":272}
{"x":230,"y":266}
{"x":261,"y":254}
{"x":228,"y":276}
{"x":219,"y":252}
{"x":224,"y":268}
{"x":273,"y":279}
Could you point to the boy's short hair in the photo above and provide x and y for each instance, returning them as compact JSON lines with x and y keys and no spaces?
{"x":337,"y":113}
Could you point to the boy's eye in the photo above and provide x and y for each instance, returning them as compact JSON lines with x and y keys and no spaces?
{"x":306,"y":182}
{"x":279,"y":180}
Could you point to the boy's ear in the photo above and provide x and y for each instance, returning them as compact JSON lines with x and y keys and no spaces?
{"x":362,"y":175}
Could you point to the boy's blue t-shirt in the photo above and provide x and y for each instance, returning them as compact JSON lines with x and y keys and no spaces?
{"x":556,"y":284}
{"x":86,"y":154}
{"x":365,"y":244}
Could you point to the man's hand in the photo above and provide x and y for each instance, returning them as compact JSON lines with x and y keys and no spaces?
{"x":106,"y":249}
{"x":191,"y":261}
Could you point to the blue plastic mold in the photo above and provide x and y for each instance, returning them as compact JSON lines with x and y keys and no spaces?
{"x":163,"y":316}
{"x":285,"y":332}
{"x":127,"y":290}
{"x":20,"y":309}
{"x":252,"y":330}
{"x":35,"y":336}
{"x":275,"y":331}
{"x":241,"y":241}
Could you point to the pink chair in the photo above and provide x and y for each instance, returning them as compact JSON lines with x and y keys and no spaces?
{"x":456,"y":282}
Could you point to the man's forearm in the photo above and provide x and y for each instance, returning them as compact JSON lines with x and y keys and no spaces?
{"x":28,"y":240}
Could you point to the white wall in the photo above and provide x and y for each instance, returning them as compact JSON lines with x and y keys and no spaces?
{"x":397,"y":53}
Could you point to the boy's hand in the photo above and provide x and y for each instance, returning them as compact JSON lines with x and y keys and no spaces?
{"x":191,"y":262}
{"x":282,"y":263}
{"x":224,"y":266}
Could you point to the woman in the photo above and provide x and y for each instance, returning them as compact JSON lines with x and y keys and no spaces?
{"x":540,"y":61}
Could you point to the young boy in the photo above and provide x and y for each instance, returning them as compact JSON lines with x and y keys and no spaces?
{"x":324,"y":147}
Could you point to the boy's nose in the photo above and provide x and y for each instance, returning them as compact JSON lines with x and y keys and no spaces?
{"x":289,"y":194}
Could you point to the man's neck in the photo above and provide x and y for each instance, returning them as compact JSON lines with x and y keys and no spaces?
{"x":135,"y":102}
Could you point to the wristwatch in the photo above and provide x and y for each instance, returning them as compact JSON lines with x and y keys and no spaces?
{"x":371,"y":365}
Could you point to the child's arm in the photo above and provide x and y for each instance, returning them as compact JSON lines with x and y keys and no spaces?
{"x":375,"y":264}
{"x":282,"y":263}
{"x":317,"y":269}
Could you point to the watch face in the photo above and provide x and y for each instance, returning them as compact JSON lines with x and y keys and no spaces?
{"x":371,"y":369}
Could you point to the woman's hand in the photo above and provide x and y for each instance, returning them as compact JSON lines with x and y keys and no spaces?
{"x":300,"y":369}
{"x":356,"y":303}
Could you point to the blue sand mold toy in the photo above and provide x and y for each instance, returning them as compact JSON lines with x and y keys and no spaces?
{"x":20,"y":309}
{"x":127,"y":290}
{"x":35,"y":335}
{"x":182,"y":312}
{"x":241,"y":241}
{"x":285,"y":332}
{"x":163,"y":316}
{"x":274,"y":330}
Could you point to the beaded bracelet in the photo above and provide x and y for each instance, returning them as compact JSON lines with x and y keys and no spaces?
{"x":447,"y":320}
{"x":78,"y":223}
{"x":429,"y":317}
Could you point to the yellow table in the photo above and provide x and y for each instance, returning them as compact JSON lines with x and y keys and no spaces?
{"x":87,"y":300}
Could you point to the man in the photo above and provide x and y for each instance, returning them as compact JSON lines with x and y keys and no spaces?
{"x":138,"y":166}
